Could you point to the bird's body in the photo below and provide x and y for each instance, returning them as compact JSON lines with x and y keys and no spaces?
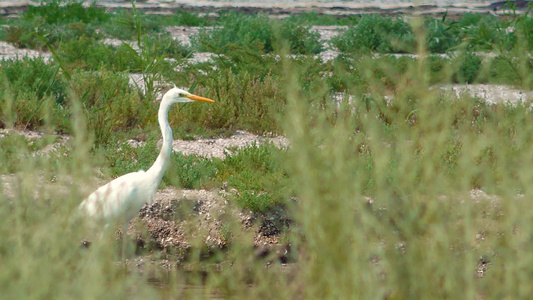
{"x":121,"y":199}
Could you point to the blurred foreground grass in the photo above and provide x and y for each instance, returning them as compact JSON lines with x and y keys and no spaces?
{"x":403,"y":191}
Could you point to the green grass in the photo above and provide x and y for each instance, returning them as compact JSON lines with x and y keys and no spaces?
{"x":57,"y":12}
{"x":125,"y":25}
{"x":378,"y":186}
{"x":258,"y":174}
{"x":109,"y":103}
{"x":472,"y":32}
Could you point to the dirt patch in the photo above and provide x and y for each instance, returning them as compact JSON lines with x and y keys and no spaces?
{"x":8,"y":51}
{"x":180,"y":220}
{"x":492,"y":94}
{"x":220,"y":147}
{"x":184,"y":33}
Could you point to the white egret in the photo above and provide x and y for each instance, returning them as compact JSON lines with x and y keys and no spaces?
{"x":121,"y":199}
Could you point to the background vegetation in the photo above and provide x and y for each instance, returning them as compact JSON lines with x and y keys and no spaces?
{"x":402,"y":191}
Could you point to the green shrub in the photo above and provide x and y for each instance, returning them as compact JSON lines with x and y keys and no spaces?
{"x":13,"y":150}
{"x":89,"y":54}
{"x":126,"y":25}
{"x":487,"y":36}
{"x":242,"y":101}
{"x":17,"y":150}
{"x":238,"y":29}
{"x":190,"y":172}
{"x":55,"y":22}
{"x":469,"y":66}
{"x":36,"y":76}
{"x":470,"y":19}
{"x":440,"y":36}
{"x":378,"y":34}
{"x":163,"y":45}
{"x":257,"y":31}
{"x":86,"y":54}
{"x":109,"y":103}
{"x":22,"y":35}
{"x":443,"y":146}
{"x":258,"y":174}
{"x":299,"y":37}
{"x":365,"y":74}
{"x":505,"y":69}
{"x":35,"y":33}
{"x":386,"y":73}
{"x":122,"y":158}
{"x":524,"y":32}
{"x":62,"y":12}
{"x":34,"y":95}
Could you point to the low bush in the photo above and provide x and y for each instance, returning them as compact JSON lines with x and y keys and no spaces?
{"x":440,"y":36}
{"x":163,"y":45}
{"x":34,"y":94}
{"x":378,"y":34}
{"x":126,"y":25}
{"x":245,"y":30}
{"x":109,"y":104}
{"x":258,"y":174}
{"x":242,"y":101}
{"x":36,"y":34}
{"x":63,"y":12}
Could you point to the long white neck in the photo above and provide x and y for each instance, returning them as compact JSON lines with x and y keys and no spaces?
{"x":160,"y":166}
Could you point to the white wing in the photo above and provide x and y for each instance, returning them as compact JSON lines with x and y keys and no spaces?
{"x":121,"y":198}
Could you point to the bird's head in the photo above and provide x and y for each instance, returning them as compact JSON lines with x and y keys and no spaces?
{"x":176,"y":95}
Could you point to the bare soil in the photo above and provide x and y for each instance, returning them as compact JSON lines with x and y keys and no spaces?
{"x":179,"y":220}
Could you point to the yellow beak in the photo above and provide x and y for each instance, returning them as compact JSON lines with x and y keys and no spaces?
{"x":198,"y":98}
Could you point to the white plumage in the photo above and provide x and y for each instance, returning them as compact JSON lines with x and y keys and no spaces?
{"x":121,"y":199}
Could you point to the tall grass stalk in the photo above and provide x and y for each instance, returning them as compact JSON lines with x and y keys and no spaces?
{"x":417,"y":229}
